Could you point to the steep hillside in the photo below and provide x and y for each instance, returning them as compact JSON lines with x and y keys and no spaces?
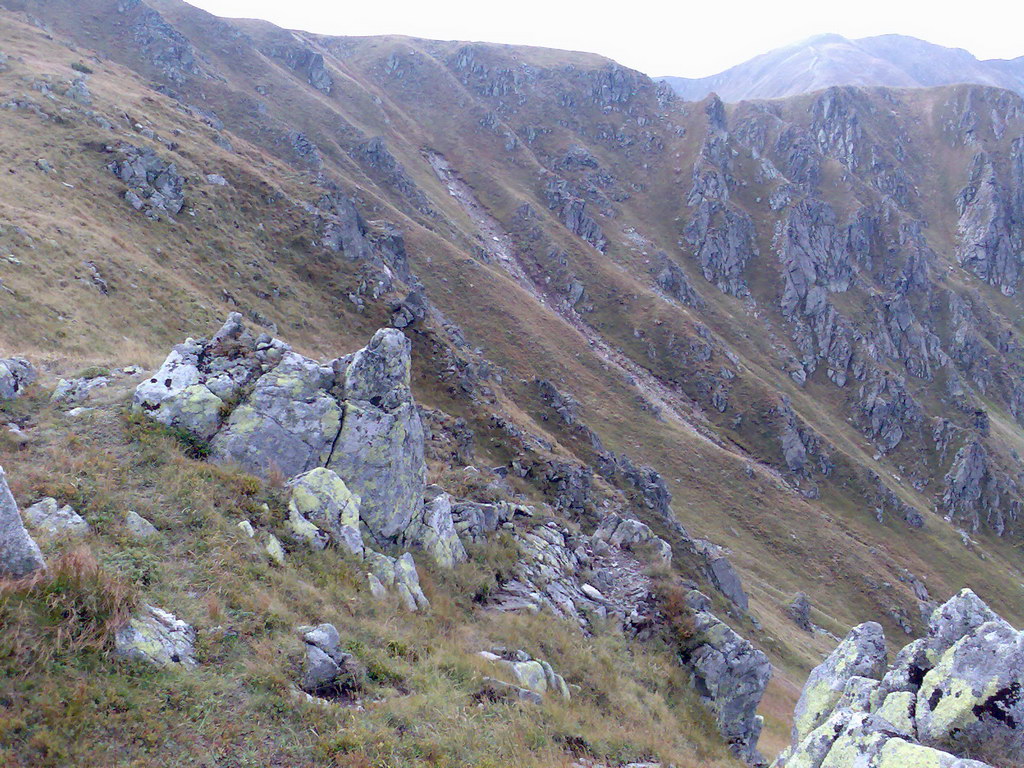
{"x":784,"y":335}
{"x":823,"y":61}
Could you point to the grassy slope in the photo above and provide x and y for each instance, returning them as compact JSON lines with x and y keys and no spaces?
{"x":781,"y":542}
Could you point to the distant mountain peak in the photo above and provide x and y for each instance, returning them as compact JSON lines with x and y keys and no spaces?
{"x":830,"y":59}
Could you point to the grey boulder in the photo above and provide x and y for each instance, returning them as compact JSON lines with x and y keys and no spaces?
{"x":380,"y":450}
{"x":329,"y":672}
{"x":730,"y":675}
{"x":862,"y":654}
{"x":19,"y":554}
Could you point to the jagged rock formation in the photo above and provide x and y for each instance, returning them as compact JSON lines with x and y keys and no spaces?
{"x":291,"y":414}
{"x":549,"y":572}
{"x":154,"y":184}
{"x":16,"y":373}
{"x":949,"y":696}
{"x":730,"y":675}
{"x":626,"y":533}
{"x":434,"y":531}
{"x":860,"y":655}
{"x":19,"y":554}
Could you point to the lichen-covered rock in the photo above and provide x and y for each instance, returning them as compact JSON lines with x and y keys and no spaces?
{"x":498,"y":690}
{"x":974,"y":697}
{"x":322,"y":508}
{"x":16,"y":373}
{"x":957,"y":618}
{"x":398,"y":574}
{"x":49,"y":516}
{"x":434,"y":532}
{"x":288,"y":423}
{"x":158,"y":637}
{"x":274,"y":549}
{"x":949,"y":696}
{"x":19,"y":554}
{"x":379,"y":452}
{"x":730,"y":675}
{"x":191,"y":388}
{"x":270,"y":410}
{"x":862,"y":654}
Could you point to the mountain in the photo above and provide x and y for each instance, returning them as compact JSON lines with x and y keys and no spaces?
{"x":496,"y":406}
{"x":895,"y":61}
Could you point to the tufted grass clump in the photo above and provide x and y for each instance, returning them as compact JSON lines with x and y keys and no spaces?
{"x":72,"y":607}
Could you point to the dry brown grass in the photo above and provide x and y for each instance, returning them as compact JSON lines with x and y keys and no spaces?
{"x":73,"y":606}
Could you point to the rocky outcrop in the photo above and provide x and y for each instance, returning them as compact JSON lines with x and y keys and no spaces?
{"x":572,"y":209}
{"x":379,"y":448}
{"x":978,"y":492}
{"x":991,"y":226}
{"x":267,"y":409}
{"x":305,"y":62}
{"x":475,"y":521}
{"x":576,"y":578}
{"x":19,"y":554}
{"x":730,"y":675}
{"x":16,"y":373}
{"x":861,"y":655}
{"x":950,"y":696}
{"x":50,"y":517}
{"x":327,"y":671}
{"x":624,"y":532}
{"x":398,"y":575}
{"x":723,"y":239}
{"x":157,"y":637}
{"x":153,"y":184}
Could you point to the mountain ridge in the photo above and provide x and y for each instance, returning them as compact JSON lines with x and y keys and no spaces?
{"x":827,"y":60}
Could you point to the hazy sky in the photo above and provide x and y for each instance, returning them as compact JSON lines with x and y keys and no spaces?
{"x":683,"y":38}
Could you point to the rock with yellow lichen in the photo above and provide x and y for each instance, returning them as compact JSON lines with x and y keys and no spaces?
{"x":322,"y":509}
{"x":272,"y":411}
{"x":379,"y":452}
{"x":288,"y":423}
{"x":861,"y":654}
{"x":433,"y":531}
{"x":158,"y":637}
{"x":949,"y":698}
